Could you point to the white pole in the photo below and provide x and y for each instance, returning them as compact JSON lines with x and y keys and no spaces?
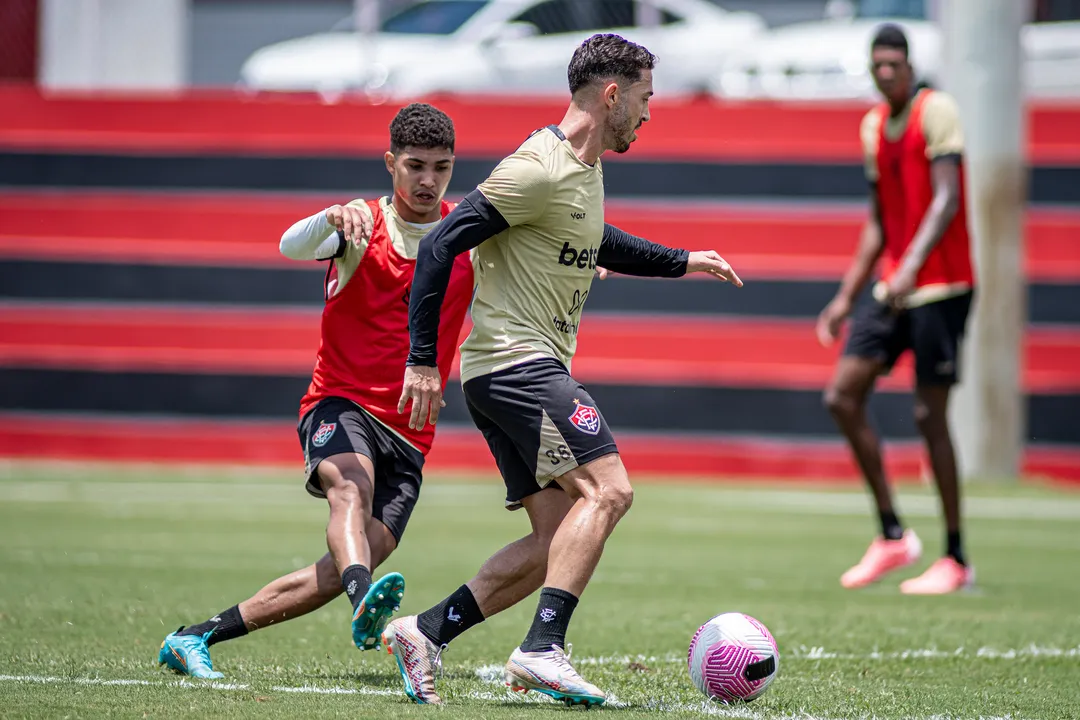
{"x":366,"y":16}
{"x":983,"y":71}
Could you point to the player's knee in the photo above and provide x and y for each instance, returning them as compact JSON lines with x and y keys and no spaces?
{"x":617,"y":498}
{"x":929,"y":422}
{"x":354,"y":490}
{"x":840,"y":404}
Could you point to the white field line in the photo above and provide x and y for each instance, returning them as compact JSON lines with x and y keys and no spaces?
{"x":485,"y":673}
{"x":837,"y":503}
{"x":489,"y":672}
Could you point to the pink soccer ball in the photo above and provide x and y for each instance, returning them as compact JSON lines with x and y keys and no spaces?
{"x":733,"y":658}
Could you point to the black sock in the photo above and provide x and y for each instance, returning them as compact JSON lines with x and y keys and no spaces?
{"x":954,"y":548}
{"x":552,"y":617}
{"x":356,"y":580}
{"x":451,"y":617}
{"x":224,"y":626}
{"x":890,"y":526}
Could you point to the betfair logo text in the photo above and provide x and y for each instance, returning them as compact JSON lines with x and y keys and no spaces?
{"x":582,"y":258}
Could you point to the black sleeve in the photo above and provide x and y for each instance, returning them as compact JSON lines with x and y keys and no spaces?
{"x":472,"y":222}
{"x":628,"y":254}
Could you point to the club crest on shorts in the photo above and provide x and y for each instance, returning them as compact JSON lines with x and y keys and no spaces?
{"x":323,"y":433}
{"x":586,"y":418}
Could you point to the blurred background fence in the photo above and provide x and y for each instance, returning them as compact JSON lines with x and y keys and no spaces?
{"x":147,"y":172}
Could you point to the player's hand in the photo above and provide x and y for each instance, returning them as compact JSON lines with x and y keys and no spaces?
{"x":601,"y":273}
{"x":423,"y":386}
{"x":831,"y":320}
{"x":708,"y":261}
{"x":351,"y":220}
{"x":900,"y":285}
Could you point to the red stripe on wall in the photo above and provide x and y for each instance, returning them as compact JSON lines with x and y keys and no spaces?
{"x":612,"y":349}
{"x":781,"y":241}
{"x":458,"y":450}
{"x":225,"y":121}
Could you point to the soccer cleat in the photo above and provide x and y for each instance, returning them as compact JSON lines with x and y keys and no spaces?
{"x":551,"y":673}
{"x":188,"y":655}
{"x":943,"y":577}
{"x":417,"y":658}
{"x":883,"y":557}
{"x":381,"y":601}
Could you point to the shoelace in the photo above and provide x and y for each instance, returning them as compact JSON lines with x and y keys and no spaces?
{"x":437,"y":662}
{"x":202,"y":654}
{"x":562,"y":658}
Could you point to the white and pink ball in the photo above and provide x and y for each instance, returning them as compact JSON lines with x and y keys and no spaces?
{"x":733,"y":658}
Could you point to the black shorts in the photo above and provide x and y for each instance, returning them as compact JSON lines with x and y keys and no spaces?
{"x":539,"y":423}
{"x":337,"y":426}
{"x":932,"y":331}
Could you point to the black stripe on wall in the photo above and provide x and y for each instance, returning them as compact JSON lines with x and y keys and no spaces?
{"x":302,"y":285}
{"x":639,"y":408}
{"x":329,"y":174}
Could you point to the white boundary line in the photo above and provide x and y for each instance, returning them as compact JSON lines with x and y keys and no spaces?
{"x":851,"y":503}
{"x":491,"y":674}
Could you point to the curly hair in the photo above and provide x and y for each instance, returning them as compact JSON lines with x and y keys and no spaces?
{"x":607,"y":56}
{"x":422,"y":126}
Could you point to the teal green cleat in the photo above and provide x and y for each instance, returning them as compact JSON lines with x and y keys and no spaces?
{"x":382,"y":600}
{"x":188,"y":655}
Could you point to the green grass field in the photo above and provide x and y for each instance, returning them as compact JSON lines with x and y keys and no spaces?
{"x":97,"y":565}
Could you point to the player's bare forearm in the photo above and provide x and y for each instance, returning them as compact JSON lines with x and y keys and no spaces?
{"x":945,"y":173}
{"x":866,"y":257}
{"x":871,"y":245}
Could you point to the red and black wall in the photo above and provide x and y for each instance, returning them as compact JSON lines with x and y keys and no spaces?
{"x":146,"y":313}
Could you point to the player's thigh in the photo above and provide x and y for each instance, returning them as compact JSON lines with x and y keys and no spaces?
{"x":878,"y":336}
{"x":937,"y":331}
{"x":549,"y":420}
{"x":339,"y":448}
{"x":398,"y":477}
{"x":518,"y":476}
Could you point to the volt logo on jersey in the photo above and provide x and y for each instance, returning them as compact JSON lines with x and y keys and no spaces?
{"x":586,"y":419}
{"x":323,"y":434}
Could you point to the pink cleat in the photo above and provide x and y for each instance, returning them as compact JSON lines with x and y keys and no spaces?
{"x":944,"y":576}
{"x":882,"y":557}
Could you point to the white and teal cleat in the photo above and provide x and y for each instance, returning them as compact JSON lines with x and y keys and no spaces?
{"x":188,"y":655}
{"x":382,"y":600}
{"x":417,"y":659}
{"x":551,"y":673}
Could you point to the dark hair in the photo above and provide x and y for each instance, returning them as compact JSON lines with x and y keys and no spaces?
{"x":890,"y":36}
{"x":422,"y":126}
{"x":607,"y":56}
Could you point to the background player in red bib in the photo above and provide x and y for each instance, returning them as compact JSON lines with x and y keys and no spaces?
{"x":360,"y":454}
{"x":918,"y":229}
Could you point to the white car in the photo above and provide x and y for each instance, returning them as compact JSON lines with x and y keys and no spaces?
{"x":829,"y":59}
{"x":523,"y":46}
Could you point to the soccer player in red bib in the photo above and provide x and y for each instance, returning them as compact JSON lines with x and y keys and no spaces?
{"x":360,"y":453}
{"x":913,"y":144}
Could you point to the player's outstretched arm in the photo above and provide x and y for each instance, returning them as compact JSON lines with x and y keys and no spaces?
{"x":628,"y":254}
{"x":472,"y":222}
{"x":323,"y":235}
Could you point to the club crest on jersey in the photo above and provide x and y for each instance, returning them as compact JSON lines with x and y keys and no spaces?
{"x":323,"y":434}
{"x":586,"y":419}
